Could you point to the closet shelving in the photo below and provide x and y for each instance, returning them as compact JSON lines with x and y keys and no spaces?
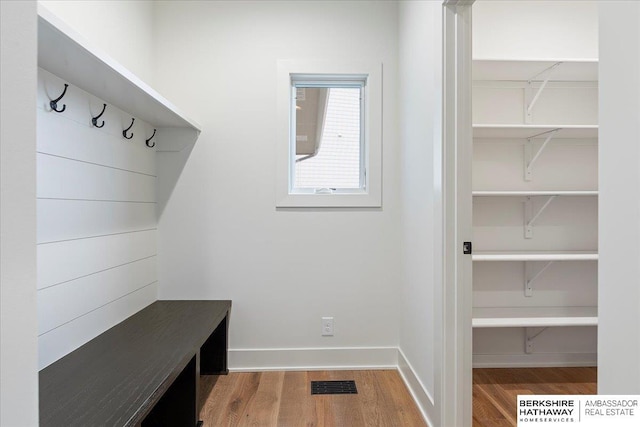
{"x":63,"y":52}
{"x":534,"y":193}
{"x":524,"y":131}
{"x":535,"y":256}
{"x":532,"y":78}
{"x":571,"y":70}
{"x":534,"y":317}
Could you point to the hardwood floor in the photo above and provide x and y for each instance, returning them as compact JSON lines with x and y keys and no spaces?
{"x":284,"y":399}
{"x":495,"y":390}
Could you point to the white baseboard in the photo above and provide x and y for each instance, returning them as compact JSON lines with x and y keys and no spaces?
{"x":534,"y":360}
{"x":312,"y":359}
{"x":419,"y":392}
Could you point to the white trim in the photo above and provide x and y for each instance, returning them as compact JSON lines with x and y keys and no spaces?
{"x":329,"y":82}
{"x":535,"y":360}
{"x":372,"y":197}
{"x":454,"y":358}
{"x":420,"y":394}
{"x":295,"y":359}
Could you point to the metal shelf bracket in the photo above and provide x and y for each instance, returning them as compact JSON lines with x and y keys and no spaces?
{"x":528,"y":110}
{"x":529,"y":337}
{"x":529,"y":157}
{"x":530,"y":276}
{"x":530,"y":216}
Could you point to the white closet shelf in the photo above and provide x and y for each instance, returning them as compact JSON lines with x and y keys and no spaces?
{"x":523,"y":70}
{"x":509,"y":193}
{"x":531,"y":317}
{"x":521,"y":131}
{"x":65,"y":53}
{"x":535,"y":256}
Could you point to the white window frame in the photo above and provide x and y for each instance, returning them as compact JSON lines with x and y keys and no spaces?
{"x":330,"y":82}
{"x":309,"y":73}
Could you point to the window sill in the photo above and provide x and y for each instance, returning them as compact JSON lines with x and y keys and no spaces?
{"x":334,"y":200}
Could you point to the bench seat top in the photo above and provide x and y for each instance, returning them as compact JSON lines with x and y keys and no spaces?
{"x":114,"y":379}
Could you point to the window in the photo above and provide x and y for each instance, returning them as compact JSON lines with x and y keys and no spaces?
{"x":327,"y":121}
{"x":329,"y":151}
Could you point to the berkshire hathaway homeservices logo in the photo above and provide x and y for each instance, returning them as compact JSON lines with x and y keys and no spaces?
{"x":536,"y":410}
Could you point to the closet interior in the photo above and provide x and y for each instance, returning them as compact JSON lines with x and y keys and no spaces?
{"x":535,"y":212}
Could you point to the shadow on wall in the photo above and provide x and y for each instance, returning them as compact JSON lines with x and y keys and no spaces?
{"x":173,"y":151}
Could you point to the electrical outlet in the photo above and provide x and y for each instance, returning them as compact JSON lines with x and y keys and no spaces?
{"x":327,"y":326}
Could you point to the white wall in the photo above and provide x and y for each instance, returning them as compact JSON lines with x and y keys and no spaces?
{"x":514,"y":30}
{"x":18,"y":327}
{"x":123,"y":29}
{"x":619,"y":265}
{"x":420,"y":25}
{"x":96,"y":219}
{"x":220,"y":235}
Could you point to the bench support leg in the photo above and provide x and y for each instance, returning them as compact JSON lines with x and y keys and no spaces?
{"x":213,"y":353}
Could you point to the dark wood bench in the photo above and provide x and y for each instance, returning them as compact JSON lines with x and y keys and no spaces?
{"x":142,"y":372}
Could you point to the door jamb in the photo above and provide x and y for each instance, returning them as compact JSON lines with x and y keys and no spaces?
{"x":456,"y":379}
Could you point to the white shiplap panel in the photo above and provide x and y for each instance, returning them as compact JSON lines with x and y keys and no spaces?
{"x":96,"y":218}
{"x":80,"y":108}
{"x":60,"y":178}
{"x":63,"y":137}
{"x":73,"y":219}
{"x":61,"y":341}
{"x":62,"y":261}
{"x":63,"y":303}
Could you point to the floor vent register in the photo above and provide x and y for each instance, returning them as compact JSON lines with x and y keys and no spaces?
{"x":333,"y":387}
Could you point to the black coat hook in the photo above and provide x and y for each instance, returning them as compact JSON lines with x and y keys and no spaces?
{"x":54,"y":104}
{"x":147,"y":141}
{"x":124,"y":132}
{"x":94,"y":120}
